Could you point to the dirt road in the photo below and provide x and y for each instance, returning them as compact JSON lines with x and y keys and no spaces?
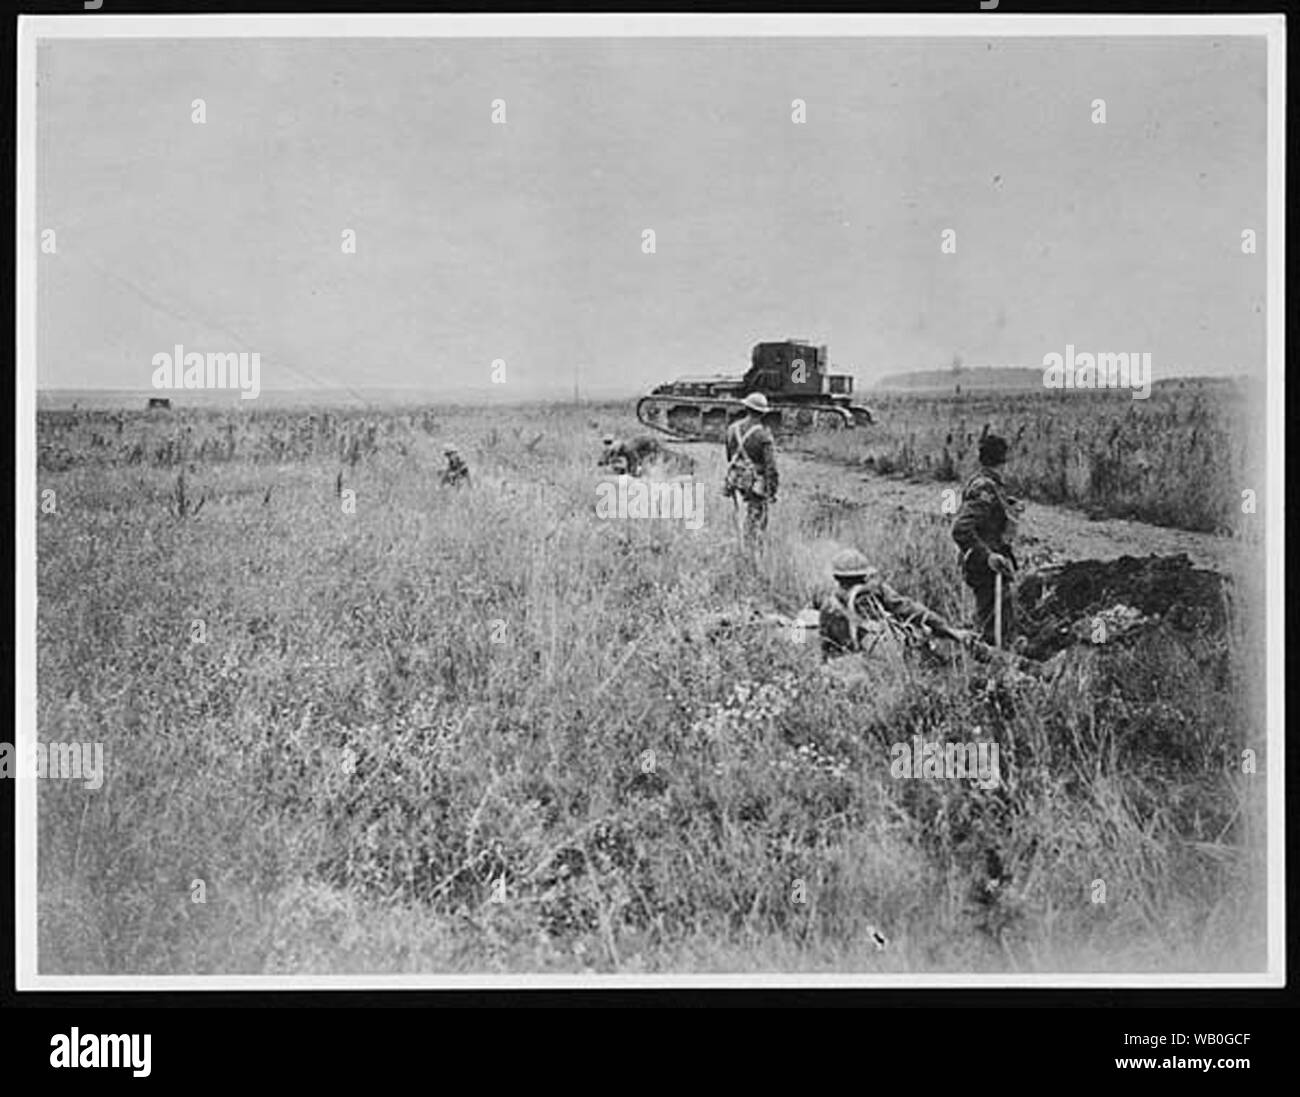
{"x":1046,"y":532}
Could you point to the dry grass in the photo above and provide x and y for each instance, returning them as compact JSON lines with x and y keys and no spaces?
{"x":353,"y":763}
{"x":1179,"y":458}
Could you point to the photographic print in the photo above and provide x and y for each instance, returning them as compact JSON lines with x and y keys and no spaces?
{"x":631,"y":501}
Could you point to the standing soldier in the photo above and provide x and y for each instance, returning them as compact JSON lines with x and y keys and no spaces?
{"x":456,"y":474}
{"x":863,"y":604}
{"x":984,"y":529}
{"x":751,"y":465}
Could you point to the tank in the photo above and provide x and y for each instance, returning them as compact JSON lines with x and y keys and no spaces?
{"x":795,"y":377}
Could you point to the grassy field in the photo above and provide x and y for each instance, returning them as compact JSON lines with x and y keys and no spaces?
{"x":431,"y":731}
{"x":1179,"y":458}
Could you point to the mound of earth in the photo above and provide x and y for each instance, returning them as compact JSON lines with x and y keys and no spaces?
{"x":1071,"y":603}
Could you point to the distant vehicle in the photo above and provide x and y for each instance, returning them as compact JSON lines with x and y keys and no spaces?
{"x":794,"y":376}
{"x":159,"y":403}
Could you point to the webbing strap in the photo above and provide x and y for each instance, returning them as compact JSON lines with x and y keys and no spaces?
{"x":902,"y":631}
{"x":740,"y":446}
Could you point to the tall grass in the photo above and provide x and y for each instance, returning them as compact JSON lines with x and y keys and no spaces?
{"x":1178,"y":458}
{"x":479,"y":731}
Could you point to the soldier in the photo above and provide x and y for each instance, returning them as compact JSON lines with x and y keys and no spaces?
{"x":456,"y":474}
{"x":984,"y":529}
{"x":607,"y":453}
{"x":640,"y":452}
{"x":751,"y":465}
{"x":863,"y":604}
{"x":631,"y":455}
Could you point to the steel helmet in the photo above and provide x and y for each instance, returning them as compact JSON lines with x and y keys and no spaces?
{"x":449,"y":448}
{"x":850,"y":564}
{"x":756,"y":401}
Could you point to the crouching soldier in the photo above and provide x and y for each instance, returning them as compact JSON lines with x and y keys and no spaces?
{"x":624,"y":456}
{"x":456,"y":474}
{"x":863,"y":607}
{"x":984,"y":528}
{"x":608,"y":444}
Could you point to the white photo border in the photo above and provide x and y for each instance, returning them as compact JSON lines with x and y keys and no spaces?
{"x":34,"y":29}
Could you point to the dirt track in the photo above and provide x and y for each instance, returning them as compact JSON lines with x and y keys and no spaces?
{"x":1047,"y":533}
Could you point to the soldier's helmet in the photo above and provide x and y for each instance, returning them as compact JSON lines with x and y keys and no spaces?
{"x":756,"y":401}
{"x":851,"y":564}
{"x":449,"y":449}
{"x":993,"y":450}
{"x":608,"y":440}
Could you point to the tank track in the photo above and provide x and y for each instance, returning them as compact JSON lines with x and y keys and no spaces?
{"x":705,"y":418}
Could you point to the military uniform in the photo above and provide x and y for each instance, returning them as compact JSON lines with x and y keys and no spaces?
{"x":751,"y":470}
{"x":633,"y":454}
{"x":986,"y":524}
{"x":856,"y":619}
{"x":456,"y":474}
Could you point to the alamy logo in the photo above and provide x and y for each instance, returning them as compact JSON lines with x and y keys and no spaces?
{"x":631,"y":498}
{"x":1102,"y":371}
{"x":976,"y":761}
{"x":180,"y":370}
{"x":89,"y":1050}
{"x":77,"y":761}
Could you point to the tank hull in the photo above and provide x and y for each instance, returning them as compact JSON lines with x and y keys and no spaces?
{"x":705,"y":418}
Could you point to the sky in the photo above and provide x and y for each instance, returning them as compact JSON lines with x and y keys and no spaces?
{"x":523,"y":241}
